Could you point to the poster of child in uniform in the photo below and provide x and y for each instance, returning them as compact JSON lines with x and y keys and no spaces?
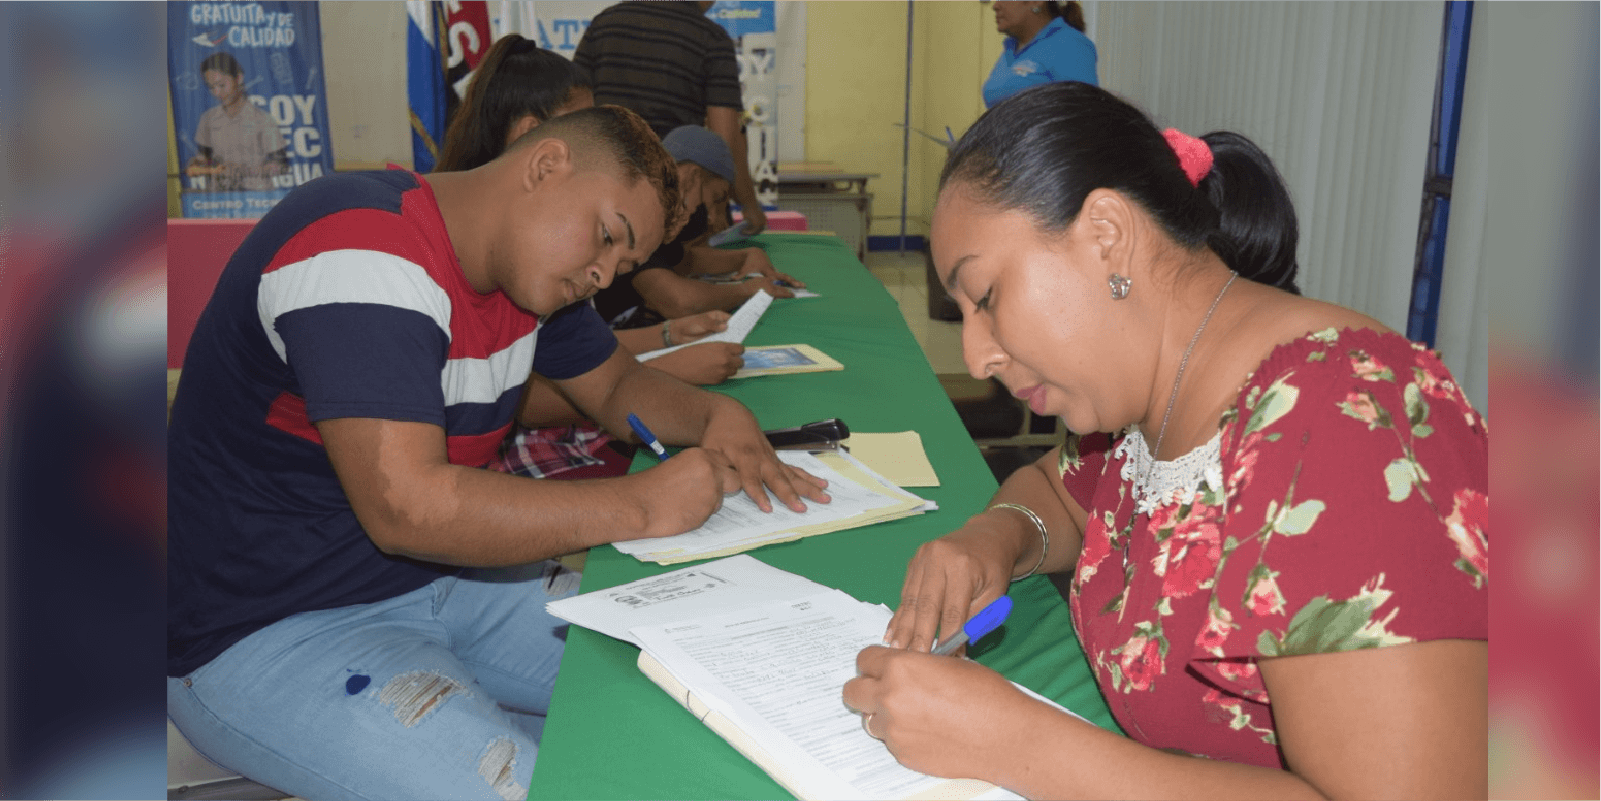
{"x":249,"y":110}
{"x":239,"y":144}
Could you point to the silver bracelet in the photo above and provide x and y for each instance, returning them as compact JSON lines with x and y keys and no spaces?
{"x":667,"y":334}
{"x":1045,"y":536}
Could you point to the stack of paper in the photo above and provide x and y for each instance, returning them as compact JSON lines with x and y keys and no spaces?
{"x":740,"y":324}
{"x":761,"y":656}
{"x":860,"y":497}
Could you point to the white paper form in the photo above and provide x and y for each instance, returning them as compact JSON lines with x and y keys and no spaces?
{"x":735,"y":582}
{"x":740,"y":520}
{"x":740,"y":324}
{"x":777,"y":671}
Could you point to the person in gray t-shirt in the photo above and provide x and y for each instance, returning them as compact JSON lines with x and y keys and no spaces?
{"x":240,"y":144}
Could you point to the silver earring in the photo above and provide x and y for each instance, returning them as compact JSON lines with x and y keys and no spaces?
{"x":1120,"y":285}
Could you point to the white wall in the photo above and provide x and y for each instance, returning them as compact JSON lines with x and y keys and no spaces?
{"x":1339,"y":94}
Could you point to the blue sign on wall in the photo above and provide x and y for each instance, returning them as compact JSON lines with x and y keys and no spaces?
{"x":740,"y":17}
{"x":248,"y":103}
{"x":752,"y":24}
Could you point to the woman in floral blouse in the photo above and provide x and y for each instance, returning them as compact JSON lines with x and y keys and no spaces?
{"x":1278,"y":563}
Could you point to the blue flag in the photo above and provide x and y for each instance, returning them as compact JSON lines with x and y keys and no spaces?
{"x":426,"y":91}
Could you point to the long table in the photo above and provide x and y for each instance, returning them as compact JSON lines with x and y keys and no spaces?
{"x":611,"y":733}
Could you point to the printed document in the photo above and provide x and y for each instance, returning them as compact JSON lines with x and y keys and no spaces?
{"x":714,"y":587}
{"x":776,"y":671}
{"x":761,"y":656}
{"x":859,"y":497}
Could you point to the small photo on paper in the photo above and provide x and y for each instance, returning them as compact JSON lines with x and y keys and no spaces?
{"x":768,"y":358}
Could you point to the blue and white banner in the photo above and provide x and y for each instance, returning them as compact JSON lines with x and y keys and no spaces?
{"x":752,"y":25}
{"x":248,"y":103}
{"x":425,"y":81}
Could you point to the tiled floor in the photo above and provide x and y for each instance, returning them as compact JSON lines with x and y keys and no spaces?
{"x":903,"y":275}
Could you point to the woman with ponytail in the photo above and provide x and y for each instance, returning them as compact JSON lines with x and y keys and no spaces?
{"x":1269,"y":523}
{"x":517,"y":86}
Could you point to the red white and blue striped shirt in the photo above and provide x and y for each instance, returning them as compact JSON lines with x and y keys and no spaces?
{"x":346,"y":300}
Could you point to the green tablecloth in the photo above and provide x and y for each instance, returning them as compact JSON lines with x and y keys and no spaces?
{"x":611,"y":733}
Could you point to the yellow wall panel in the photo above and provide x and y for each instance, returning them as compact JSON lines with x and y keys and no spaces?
{"x":855,"y":88}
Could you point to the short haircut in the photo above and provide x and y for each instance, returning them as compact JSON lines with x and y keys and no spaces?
{"x":614,"y":138}
{"x":222,"y":62}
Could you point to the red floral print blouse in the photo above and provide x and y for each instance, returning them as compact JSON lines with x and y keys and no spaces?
{"x":1347,"y":508}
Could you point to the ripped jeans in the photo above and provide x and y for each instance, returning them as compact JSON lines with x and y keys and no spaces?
{"x":438,"y":693}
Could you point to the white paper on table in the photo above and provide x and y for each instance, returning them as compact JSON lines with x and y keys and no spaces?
{"x":731,"y":583}
{"x":740,"y":520}
{"x":740,"y":324}
{"x":777,"y":671}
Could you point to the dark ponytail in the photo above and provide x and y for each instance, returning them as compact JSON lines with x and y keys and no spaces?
{"x":1043,"y":150}
{"x":1256,"y":231}
{"x":515,"y":78}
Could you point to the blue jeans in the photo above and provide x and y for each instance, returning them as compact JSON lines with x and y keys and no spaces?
{"x":438,"y":693}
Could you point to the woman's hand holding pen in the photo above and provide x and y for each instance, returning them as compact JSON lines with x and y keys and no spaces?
{"x":948,"y":581}
{"x":938,"y":715}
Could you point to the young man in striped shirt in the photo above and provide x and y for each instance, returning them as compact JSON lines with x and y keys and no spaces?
{"x":362,"y":355}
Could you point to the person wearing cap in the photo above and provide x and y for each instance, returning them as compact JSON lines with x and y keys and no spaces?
{"x":665,"y":286}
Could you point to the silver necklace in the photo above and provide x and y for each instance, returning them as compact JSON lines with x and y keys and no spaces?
{"x":1184,"y":362}
{"x":1172,"y":396}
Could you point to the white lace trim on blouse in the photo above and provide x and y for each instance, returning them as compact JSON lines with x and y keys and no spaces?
{"x":1164,"y":483}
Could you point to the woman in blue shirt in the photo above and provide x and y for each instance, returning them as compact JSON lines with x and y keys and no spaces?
{"x":1045,"y":42}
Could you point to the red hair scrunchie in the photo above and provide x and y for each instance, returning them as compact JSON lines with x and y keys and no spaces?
{"x":1195,"y":155}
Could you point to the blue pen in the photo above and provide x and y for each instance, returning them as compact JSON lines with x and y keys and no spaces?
{"x":646,"y":437}
{"x":987,"y":620}
{"x":949,"y":137}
